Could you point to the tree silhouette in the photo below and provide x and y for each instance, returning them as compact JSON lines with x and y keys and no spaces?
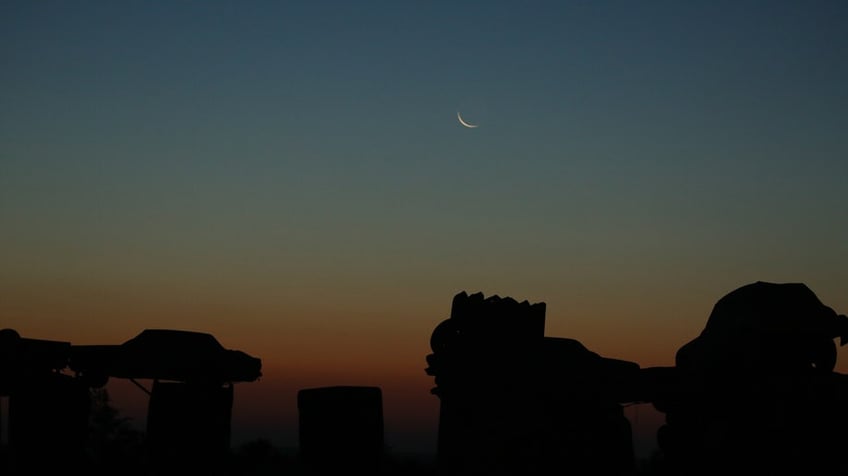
{"x":113,"y":442}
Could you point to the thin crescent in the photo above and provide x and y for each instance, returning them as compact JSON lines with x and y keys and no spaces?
{"x":470,"y":126}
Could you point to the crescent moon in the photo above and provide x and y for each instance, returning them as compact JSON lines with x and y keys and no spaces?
{"x":470,"y":126}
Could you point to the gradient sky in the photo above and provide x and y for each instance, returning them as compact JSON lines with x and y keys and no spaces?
{"x":291,"y":177}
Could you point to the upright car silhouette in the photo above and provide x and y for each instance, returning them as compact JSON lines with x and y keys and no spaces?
{"x":165,"y":354}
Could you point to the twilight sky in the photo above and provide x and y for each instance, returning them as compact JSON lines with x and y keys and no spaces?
{"x":291,"y":177}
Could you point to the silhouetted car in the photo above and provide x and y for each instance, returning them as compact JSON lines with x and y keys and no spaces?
{"x":22,"y":358}
{"x":165,"y":354}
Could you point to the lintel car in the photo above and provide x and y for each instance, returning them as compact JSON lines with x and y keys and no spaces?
{"x":165,"y":354}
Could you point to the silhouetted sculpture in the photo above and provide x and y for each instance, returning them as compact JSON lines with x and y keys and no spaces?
{"x":188,"y":418}
{"x":48,"y":425}
{"x":757,"y":391}
{"x":341,"y":429}
{"x":48,"y":411}
{"x":165,"y":354}
{"x":513,"y":401}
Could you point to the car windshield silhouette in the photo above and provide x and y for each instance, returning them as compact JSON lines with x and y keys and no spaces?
{"x":167,"y":354}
